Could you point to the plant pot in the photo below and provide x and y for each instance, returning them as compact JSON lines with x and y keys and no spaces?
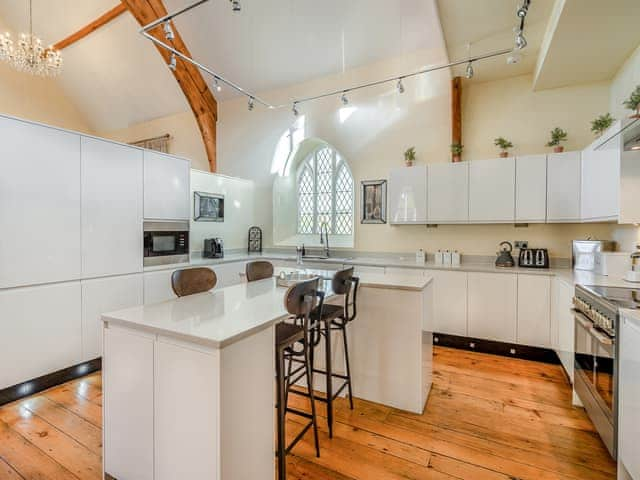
{"x":456,"y":158}
{"x":504,"y":154}
{"x":408,"y":163}
{"x":558,"y":149}
{"x":635,"y":115}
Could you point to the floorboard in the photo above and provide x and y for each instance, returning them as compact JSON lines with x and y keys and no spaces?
{"x":488,"y":418}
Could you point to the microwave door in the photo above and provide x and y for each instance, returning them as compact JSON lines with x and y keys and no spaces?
{"x":163,"y":244}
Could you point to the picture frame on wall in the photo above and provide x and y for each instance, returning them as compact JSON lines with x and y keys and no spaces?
{"x":373,"y":203}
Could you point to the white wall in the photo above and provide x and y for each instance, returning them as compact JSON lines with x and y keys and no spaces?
{"x":623,"y":84}
{"x":239,"y":195}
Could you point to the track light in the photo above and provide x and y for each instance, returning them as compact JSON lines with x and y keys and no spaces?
{"x":514,"y":58}
{"x":235,"y":5}
{"x":524,"y":9}
{"x":173,"y":64}
{"x":216,"y":84}
{"x":469,"y":71}
{"x":400,"y":86}
{"x":521,"y":42}
{"x":250,"y":104}
{"x":295,"y":110}
{"x":344,"y":99}
{"x":168,"y":31}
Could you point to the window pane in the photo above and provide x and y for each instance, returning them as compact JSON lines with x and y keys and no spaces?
{"x":344,"y":202}
{"x":324,"y":159}
{"x":305,"y":202}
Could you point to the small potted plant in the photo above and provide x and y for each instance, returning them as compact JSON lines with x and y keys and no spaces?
{"x":456,"y":151}
{"x":410,"y":156}
{"x":557,"y":135}
{"x":504,"y":146}
{"x":633,"y":102}
{"x":601,"y":123}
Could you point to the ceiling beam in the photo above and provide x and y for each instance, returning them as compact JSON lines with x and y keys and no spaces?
{"x":195,"y":89}
{"x":91,"y":27}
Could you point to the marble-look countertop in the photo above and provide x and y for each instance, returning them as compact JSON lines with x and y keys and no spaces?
{"x":223,"y":316}
{"x":633,"y":315}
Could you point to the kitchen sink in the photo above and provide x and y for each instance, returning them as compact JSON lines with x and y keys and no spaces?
{"x":323,"y":257}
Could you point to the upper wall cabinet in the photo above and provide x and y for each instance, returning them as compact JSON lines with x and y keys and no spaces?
{"x":39,"y":204}
{"x":166,"y":187}
{"x":408,"y":195}
{"x":492,"y":190}
{"x":111,"y":208}
{"x":563,"y":187}
{"x":600,"y":192}
{"x":448,"y":192}
{"x":531,"y":189}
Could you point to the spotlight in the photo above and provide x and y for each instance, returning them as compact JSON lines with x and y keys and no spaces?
{"x":344,"y":99}
{"x":250,"y":104}
{"x":173,"y":64}
{"x":168,"y":31}
{"x":295,"y":110}
{"x":469,"y":71}
{"x":235,"y":5}
{"x":521,"y":42}
{"x":216,"y":84}
{"x":514,"y":58}
{"x":400,"y":86}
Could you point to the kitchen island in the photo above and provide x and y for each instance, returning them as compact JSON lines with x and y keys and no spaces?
{"x":188,"y":383}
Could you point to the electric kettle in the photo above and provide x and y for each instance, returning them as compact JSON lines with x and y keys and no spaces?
{"x":504,"y":255}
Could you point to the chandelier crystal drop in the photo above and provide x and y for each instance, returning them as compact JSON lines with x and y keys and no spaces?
{"x":29,"y":55}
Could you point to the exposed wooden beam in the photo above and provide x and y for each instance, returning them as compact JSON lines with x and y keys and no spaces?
{"x":456,"y":110}
{"x":195,"y":89}
{"x":91,"y":27}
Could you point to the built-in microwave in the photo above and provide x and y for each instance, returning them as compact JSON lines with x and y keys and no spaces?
{"x":166,"y":243}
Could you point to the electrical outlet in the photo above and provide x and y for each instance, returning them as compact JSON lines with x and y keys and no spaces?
{"x":521,"y":244}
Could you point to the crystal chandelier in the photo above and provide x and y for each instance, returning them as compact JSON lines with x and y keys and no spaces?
{"x":28,"y":54}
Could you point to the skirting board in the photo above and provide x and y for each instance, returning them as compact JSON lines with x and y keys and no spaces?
{"x":497,"y":348}
{"x":24,"y":389}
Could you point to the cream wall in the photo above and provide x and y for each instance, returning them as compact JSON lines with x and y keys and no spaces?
{"x":510,"y":108}
{"x":623,"y":84}
{"x":185,"y":136}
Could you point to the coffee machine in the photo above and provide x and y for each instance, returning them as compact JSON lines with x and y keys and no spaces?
{"x":213,"y":248}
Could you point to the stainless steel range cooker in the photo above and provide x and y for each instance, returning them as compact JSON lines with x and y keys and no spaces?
{"x":597,"y":335}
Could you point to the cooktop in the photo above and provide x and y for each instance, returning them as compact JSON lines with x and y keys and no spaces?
{"x":622,"y":297}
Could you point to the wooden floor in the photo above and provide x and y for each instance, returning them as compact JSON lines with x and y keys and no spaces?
{"x":488,"y":417}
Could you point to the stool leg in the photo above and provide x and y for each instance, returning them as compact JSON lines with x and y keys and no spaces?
{"x":346,"y":360}
{"x":329,"y":376}
{"x":281,"y":408}
{"x":308,"y":368}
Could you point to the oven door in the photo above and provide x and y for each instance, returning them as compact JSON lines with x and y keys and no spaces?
{"x":595,"y":377}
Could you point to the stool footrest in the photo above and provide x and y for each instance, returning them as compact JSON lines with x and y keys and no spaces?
{"x":318,"y":397}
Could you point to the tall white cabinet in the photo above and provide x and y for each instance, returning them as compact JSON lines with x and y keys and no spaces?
{"x":448,"y":192}
{"x":166,"y":187}
{"x":111,"y":208}
{"x":39,"y":204}
{"x":563,"y":187}
{"x":492,"y":190}
{"x":600,"y":184}
{"x":408,"y":195}
{"x":531,"y":189}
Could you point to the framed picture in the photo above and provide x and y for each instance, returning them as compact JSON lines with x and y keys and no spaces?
{"x":208,"y":207}
{"x":374,"y":201}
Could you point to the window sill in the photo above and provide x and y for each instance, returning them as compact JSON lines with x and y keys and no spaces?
{"x":313,"y":241}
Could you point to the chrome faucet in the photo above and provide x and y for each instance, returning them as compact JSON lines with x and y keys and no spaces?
{"x":324,"y":226}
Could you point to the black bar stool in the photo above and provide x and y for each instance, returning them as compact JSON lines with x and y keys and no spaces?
{"x":335,"y":318}
{"x":294,"y":343}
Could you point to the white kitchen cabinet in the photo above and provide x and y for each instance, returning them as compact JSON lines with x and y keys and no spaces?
{"x":629,"y":406}
{"x":40,"y":331}
{"x":181,"y":421}
{"x":128,"y":372}
{"x":492,"y":190}
{"x":534,"y":310}
{"x":111,"y":208}
{"x":492,"y":301}
{"x":531,"y":189}
{"x":563,"y":325}
{"x":39,"y":204}
{"x":157,"y":286}
{"x":563,"y":187}
{"x":408,"y":195}
{"x":449,"y":302}
{"x":229,"y":273}
{"x":630,"y":187}
{"x":600,"y":186}
{"x":102,"y":295}
{"x":166,"y":187}
{"x":448,"y":192}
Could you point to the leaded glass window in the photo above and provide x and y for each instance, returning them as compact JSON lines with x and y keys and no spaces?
{"x":325,"y":194}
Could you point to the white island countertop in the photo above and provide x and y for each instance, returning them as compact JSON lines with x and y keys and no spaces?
{"x":223,"y":316}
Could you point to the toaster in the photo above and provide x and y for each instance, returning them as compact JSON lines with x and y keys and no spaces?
{"x":213,"y":248}
{"x":533,"y":258}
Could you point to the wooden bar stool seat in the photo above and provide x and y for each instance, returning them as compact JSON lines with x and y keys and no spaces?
{"x":258,"y":270}
{"x":190,"y":281}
